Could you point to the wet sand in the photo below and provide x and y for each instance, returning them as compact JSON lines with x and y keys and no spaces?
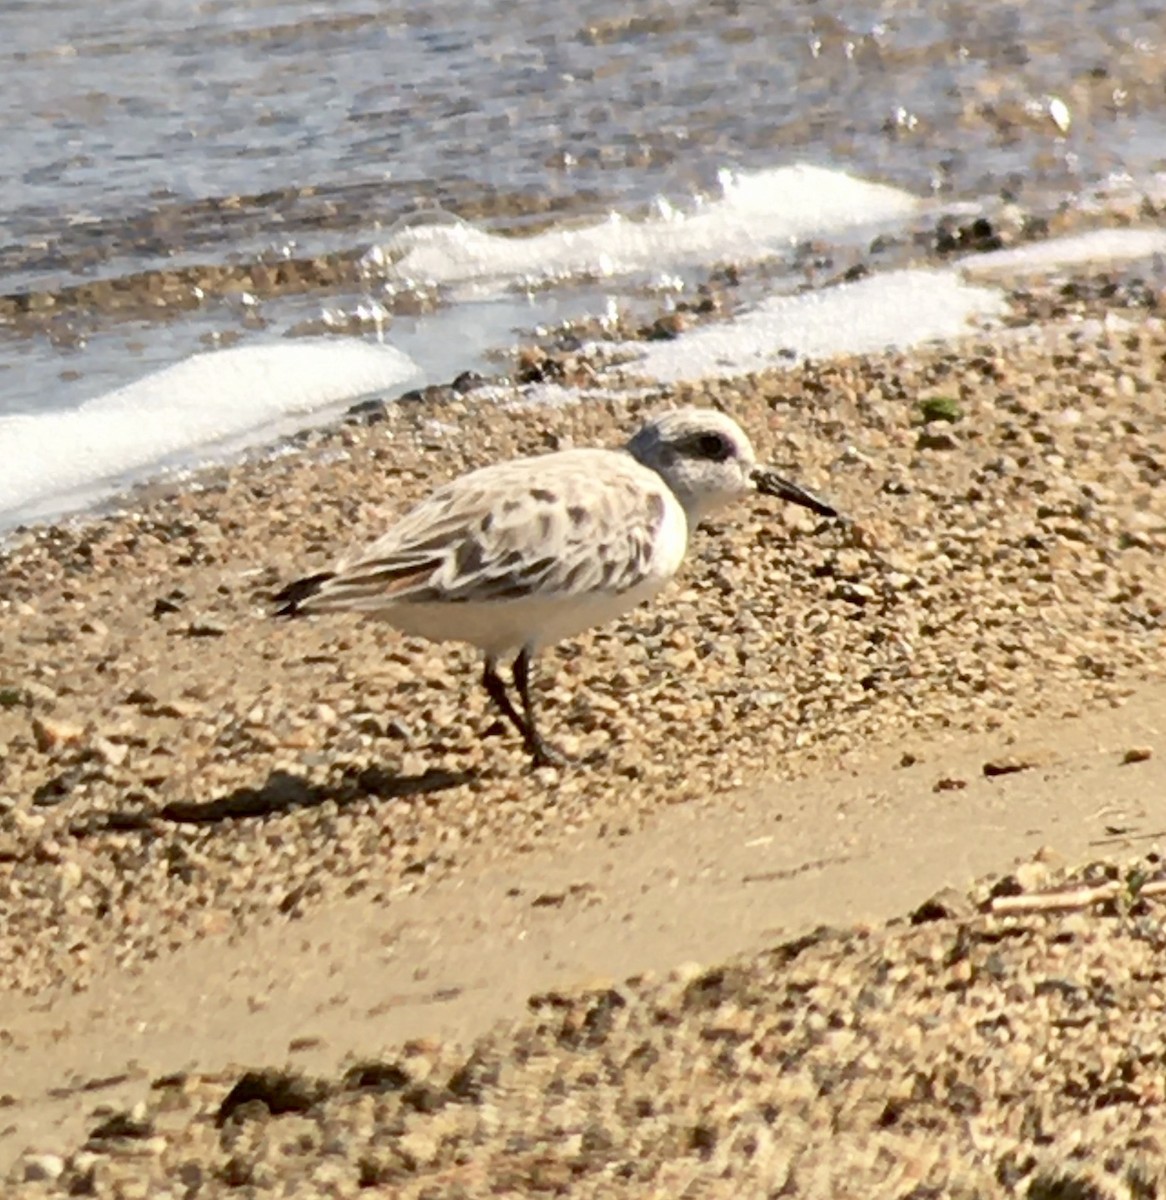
{"x":227,"y":843}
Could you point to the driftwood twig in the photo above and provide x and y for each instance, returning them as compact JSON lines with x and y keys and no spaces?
{"x":1075,"y":899}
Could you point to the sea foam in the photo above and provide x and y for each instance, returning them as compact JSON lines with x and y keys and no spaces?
{"x":895,"y":310}
{"x":758,"y":214}
{"x":220,"y":397}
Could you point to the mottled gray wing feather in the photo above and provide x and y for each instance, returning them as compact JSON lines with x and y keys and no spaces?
{"x":533,"y":526}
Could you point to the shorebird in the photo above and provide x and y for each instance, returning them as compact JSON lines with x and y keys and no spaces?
{"x":516,"y":556}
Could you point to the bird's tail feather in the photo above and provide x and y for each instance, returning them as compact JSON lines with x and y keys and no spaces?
{"x":291,"y":599}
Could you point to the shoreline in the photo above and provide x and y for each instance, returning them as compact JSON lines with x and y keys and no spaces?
{"x":180,"y":772}
{"x":1006,"y":252}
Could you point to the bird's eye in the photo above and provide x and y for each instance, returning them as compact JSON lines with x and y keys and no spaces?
{"x":712,"y":446}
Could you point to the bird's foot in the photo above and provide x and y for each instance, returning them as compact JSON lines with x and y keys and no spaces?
{"x":543,"y":754}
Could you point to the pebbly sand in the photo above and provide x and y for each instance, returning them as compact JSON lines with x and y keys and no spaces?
{"x":229,"y":845}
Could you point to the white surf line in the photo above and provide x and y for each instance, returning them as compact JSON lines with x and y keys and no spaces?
{"x":895,"y":310}
{"x":1097,"y":246}
{"x":891,"y":311}
{"x":198,"y":402}
{"x":758,"y":214}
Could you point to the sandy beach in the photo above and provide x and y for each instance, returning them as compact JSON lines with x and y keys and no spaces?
{"x":287,"y":913}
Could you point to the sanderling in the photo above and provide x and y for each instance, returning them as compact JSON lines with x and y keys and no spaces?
{"x":521,"y":554}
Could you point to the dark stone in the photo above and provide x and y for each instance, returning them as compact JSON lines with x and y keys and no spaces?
{"x":275,"y":1091}
{"x":376,"y":1077}
{"x":205,"y":628}
{"x":942,"y":906}
{"x":468,"y":381}
{"x":122,"y":1125}
{"x":474,"y":1077}
{"x":367,"y":412}
{"x":54,"y":790}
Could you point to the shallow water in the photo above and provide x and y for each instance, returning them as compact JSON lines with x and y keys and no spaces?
{"x":145,"y":138}
{"x":127,"y":121}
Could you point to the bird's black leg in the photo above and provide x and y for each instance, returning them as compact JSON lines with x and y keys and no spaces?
{"x":541,"y":753}
{"x":493,"y":684}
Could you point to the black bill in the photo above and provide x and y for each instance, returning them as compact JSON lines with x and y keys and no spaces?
{"x":770,"y":483}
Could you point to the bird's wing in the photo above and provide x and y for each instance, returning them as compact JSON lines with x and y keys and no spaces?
{"x":571,"y":523}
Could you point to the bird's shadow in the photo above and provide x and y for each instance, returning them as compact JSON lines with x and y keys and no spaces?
{"x":284,"y":792}
{"x":280,"y":793}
